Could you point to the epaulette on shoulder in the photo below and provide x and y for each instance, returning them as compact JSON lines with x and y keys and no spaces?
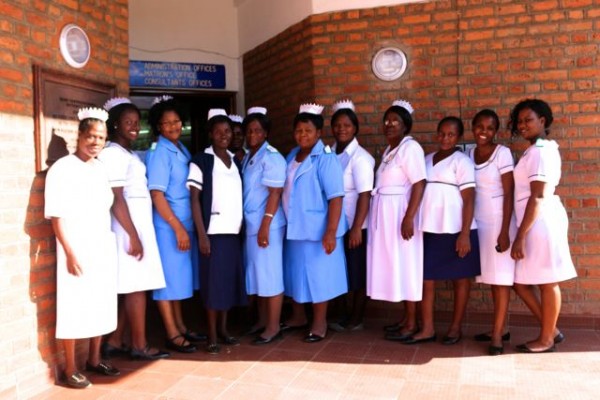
{"x":540,"y":142}
{"x":272,"y":149}
{"x":327,"y":149}
{"x":152,"y":146}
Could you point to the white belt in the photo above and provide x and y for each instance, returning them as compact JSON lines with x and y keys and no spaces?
{"x":398,"y":190}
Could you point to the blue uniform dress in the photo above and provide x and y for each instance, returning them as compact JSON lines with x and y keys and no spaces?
{"x":264,"y":266}
{"x":310,"y":274}
{"x":167,"y":168}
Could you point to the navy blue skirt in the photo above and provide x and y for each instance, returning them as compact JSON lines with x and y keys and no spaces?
{"x":441,"y":261}
{"x":222,"y":277}
{"x":356,"y":263}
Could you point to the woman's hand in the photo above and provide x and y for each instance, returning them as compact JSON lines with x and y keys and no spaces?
{"x":73,"y":266}
{"x":329,"y":242}
{"x":503,"y":242}
{"x":183,"y":239}
{"x":518,"y":248}
{"x":204,"y":244}
{"x":136,"y":249}
{"x":407,"y":228}
{"x":263,"y":235}
{"x":354,"y":237}
{"x":463,"y":244}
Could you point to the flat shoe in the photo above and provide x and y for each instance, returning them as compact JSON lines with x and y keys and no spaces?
{"x":145,"y":355}
{"x":195,"y":337}
{"x":102,"y":368}
{"x":171,"y":345}
{"x":398,"y":336}
{"x":230,"y":340}
{"x":450,"y":340}
{"x":312,"y":338}
{"x":495,"y":350}
{"x":77,"y":381}
{"x":393,"y":327}
{"x":357,"y":327}
{"x":485,"y":337}
{"x":559,"y":338}
{"x":412,"y":340}
{"x":108,"y":351}
{"x":523,"y":348}
{"x":288,"y":328}
{"x":261,"y":340}
{"x":336,"y":327}
{"x":254,"y":331}
{"x":213,"y":348}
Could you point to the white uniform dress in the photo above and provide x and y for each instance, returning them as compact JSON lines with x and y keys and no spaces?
{"x":126,"y":170}
{"x":496,"y":268}
{"x":547,"y":256}
{"x":395,"y":265}
{"x":78,"y":193}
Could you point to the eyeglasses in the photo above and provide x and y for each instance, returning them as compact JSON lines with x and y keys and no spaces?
{"x":391,"y":123}
{"x":168,"y":124}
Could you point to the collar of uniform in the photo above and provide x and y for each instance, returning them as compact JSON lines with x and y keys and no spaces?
{"x":168,"y":144}
{"x":210,"y":150}
{"x":350,"y":149}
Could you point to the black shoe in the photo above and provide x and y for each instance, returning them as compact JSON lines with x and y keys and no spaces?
{"x":495,"y":350}
{"x":77,"y":381}
{"x":102,"y":368}
{"x":108,"y":351}
{"x":559,"y":338}
{"x":312,"y":338}
{"x":171,"y":345}
{"x":288,"y":328}
{"x":213,"y":348}
{"x":229,"y":340}
{"x":523,"y":348}
{"x":450,"y":340}
{"x":393,"y":327}
{"x":145,"y":355}
{"x":412,"y":340}
{"x":254,"y":331}
{"x":486,"y":337}
{"x":398,"y":336}
{"x":195,"y":337}
{"x":261,"y":340}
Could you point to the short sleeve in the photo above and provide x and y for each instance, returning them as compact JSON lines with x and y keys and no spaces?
{"x":116,"y":164}
{"x":331,"y":176}
{"x":274,"y":170}
{"x":413,"y":162}
{"x":57,"y":191}
{"x":195,"y":178}
{"x":465,"y":172}
{"x":363,"y":174}
{"x":158,"y":168}
{"x":537,"y":165}
{"x":504,"y":161}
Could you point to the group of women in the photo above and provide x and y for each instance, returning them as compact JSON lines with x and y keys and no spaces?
{"x":313,"y":226}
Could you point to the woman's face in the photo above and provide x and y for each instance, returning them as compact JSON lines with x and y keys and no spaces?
{"x":447,"y":136}
{"x":237,"y":140}
{"x":343,"y":129}
{"x":128,"y":125}
{"x":484,"y":130}
{"x":306,"y":135}
{"x":530,"y":125}
{"x":255,"y":135}
{"x":393,"y":128}
{"x":221,"y":135}
{"x":91,"y":141}
{"x":170,"y":126}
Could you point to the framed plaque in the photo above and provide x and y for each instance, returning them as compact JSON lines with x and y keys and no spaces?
{"x":57,"y":97}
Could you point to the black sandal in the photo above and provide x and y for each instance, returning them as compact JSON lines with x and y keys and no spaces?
{"x":145,"y":355}
{"x":182,"y":348}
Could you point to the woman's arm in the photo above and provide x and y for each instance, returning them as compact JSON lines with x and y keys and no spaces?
{"x":334,"y":212}
{"x":164,"y":210}
{"x":120,"y":210}
{"x":203,"y":241}
{"x":270,"y":210}
{"x":463,"y":243}
{"x":532,"y":210}
{"x":407,"y":229}
{"x":508,"y":188}
{"x":73,"y":266}
{"x":362,"y":209}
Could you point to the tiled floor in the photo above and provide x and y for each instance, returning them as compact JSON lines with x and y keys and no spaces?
{"x":360,"y":365}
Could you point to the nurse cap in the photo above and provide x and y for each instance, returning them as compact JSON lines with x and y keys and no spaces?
{"x":236,"y":118}
{"x":92,"y":112}
{"x":257,"y":110}
{"x":404,"y":104}
{"x":160,"y":99}
{"x":115,"y":101}
{"x":343,"y":104}
{"x":213,"y":112}
{"x":311,"y":108}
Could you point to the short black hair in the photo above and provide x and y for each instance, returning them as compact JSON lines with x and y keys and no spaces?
{"x":540,"y":107}
{"x":350,"y":114}
{"x":262,"y":119}
{"x":114,"y":115}
{"x":404,"y":116}
{"x":453,"y":120}
{"x":159,"y":109}
{"x":316,"y":119}
{"x":87,"y":123}
{"x":217,"y":119}
{"x":486,"y":112}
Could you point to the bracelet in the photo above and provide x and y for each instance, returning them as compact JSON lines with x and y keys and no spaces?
{"x":269,"y":215}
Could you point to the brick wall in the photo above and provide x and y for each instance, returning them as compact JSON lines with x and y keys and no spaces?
{"x":463,"y":56}
{"x":29,"y":33}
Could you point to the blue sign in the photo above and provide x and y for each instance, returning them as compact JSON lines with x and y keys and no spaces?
{"x":174,"y":75}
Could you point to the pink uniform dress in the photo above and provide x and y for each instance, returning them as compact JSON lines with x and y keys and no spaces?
{"x":547,"y":256}
{"x":395,"y":265}
{"x":496,"y":268}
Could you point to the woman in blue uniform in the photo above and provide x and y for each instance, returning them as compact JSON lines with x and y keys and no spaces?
{"x":263,"y":170}
{"x":314,"y":262}
{"x":167,"y":168}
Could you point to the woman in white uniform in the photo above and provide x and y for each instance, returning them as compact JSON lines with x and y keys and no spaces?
{"x":357,"y":165}
{"x":140,"y":268}
{"x":395,"y":249}
{"x":541,"y":246}
{"x":494,"y":201}
{"x":86,"y":289}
